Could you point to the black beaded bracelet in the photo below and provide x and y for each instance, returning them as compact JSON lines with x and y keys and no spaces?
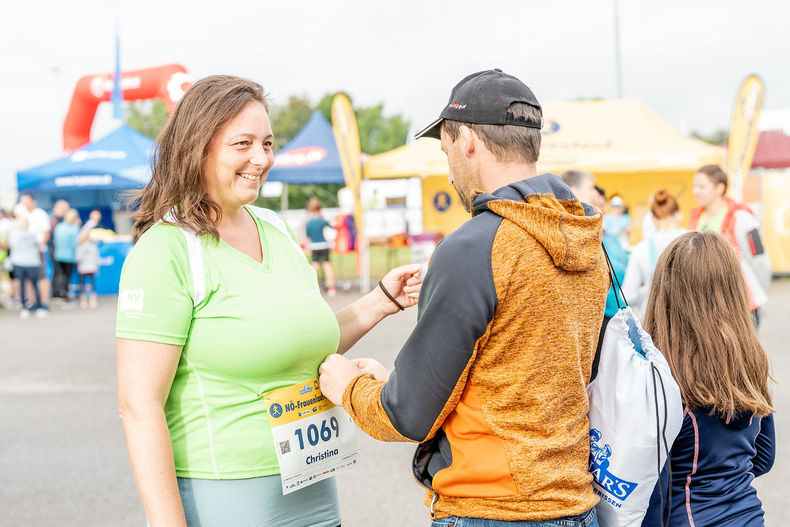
{"x":390,"y":296}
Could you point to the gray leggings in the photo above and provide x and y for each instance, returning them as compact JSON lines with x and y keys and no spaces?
{"x":258,"y":502}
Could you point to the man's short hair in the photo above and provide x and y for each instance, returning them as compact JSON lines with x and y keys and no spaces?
{"x":506,"y":142}
{"x":575,"y":178}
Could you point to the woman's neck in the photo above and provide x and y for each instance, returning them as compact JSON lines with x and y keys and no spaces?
{"x":667,"y":224}
{"x":716,"y":206}
{"x":233,"y":218}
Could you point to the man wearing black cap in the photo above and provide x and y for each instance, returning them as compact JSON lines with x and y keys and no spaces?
{"x":491,"y":382}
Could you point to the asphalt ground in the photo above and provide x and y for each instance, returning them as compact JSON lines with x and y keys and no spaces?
{"x":62,"y":455}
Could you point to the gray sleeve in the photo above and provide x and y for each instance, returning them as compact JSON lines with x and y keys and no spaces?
{"x":752,"y":248}
{"x":457,"y":303}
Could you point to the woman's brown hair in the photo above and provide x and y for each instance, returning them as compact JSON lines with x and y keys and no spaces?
{"x":716,"y":175}
{"x":698,"y":316}
{"x":177,"y":182}
{"x":313,"y":205}
{"x":663,"y":205}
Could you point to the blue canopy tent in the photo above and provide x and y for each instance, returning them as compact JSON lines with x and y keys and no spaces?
{"x":92,"y":175}
{"x":310,"y":157}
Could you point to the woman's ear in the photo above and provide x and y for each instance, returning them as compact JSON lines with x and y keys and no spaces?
{"x":721,"y":189}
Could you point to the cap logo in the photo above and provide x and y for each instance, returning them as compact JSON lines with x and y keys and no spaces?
{"x":456,"y":106}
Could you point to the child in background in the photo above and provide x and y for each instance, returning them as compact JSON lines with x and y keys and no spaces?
{"x":617,"y":221}
{"x":26,"y":258}
{"x":87,"y":266}
{"x":318,"y":245}
{"x":698,"y":316}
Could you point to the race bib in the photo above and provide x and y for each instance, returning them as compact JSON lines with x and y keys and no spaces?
{"x":313,"y":438}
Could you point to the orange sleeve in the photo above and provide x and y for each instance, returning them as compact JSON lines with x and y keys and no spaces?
{"x":362,"y":401}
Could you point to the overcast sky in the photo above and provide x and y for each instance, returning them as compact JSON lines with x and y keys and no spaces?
{"x":685,"y":59}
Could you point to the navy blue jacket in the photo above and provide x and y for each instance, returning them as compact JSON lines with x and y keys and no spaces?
{"x":713,"y":464}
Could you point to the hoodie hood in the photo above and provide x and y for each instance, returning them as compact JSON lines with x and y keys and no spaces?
{"x":546,"y":208}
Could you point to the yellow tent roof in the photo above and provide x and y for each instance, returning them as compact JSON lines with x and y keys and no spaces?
{"x":599,"y":136}
{"x":617,"y":136}
{"x":422,"y":158}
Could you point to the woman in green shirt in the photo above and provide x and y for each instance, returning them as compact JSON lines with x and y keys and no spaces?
{"x":217,"y":307}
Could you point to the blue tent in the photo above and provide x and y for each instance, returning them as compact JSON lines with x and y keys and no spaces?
{"x":92,"y":175}
{"x":310,"y":157}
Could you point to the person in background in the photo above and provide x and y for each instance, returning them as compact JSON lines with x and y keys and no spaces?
{"x":26,"y":258}
{"x":318,"y":245}
{"x":599,"y":199}
{"x":6,"y":224}
{"x":94,"y":220}
{"x":583,"y":186}
{"x":642,"y":261}
{"x":698,"y":316}
{"x":617,"y":221}
{"x":87,"y":258}
{"x":718,"y":213}
{"x":59,"y":280}
{"x":648,"y":225}
{"x":65,"y":240}
{"x":39,"y":225}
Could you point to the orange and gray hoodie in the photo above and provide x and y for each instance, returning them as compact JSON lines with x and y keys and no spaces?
{"x":492,"y":380}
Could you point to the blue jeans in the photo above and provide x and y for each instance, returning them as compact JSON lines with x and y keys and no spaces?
{"x":587,"y":519}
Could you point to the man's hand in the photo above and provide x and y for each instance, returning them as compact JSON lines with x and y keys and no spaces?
{"x":372,"y":366}
{"x":334,"y":375}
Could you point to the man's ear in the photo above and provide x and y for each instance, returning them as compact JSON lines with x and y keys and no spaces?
{"x":469,"y":140}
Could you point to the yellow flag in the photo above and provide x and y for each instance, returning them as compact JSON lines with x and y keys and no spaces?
{"x":344,"y":128}
{"x":744,"y":133}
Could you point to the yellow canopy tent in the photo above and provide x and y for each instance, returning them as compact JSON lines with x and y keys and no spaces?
{"x":628,"y":148}
{"x":441,"y":210}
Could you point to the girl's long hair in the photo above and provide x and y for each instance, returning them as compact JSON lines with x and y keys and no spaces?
{"x":698,"y":316}
{"x":178,"y":182}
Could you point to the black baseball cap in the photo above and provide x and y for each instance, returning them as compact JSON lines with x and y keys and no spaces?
{"x":483,"y":98}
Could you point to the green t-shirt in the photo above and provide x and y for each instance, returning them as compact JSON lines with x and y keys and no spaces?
{"x":708,"y":222}
{"x":259,"y":327}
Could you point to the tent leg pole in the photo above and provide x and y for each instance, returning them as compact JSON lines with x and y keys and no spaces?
{"x":284,"y":198}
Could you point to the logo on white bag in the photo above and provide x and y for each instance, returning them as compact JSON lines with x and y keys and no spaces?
{"x":599,"y":467}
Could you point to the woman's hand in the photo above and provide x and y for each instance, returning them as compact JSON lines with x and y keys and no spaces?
{"x":404,"y":284}
{"x":374,"y":367}
{"x":355,"y":320}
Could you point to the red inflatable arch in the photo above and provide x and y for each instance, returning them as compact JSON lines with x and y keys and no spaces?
{"x":164,"y":82}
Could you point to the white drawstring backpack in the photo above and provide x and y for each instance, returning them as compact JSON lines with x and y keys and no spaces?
{"x":635,"y":415}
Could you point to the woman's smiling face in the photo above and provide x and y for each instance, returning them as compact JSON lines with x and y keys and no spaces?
{"x":239,"y":158}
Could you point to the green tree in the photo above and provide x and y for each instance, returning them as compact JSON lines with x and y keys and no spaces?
{"x":377,"y":133}
{"x":715,"y":138}
{"x":147,"y":117}
{"x":288,"y":119}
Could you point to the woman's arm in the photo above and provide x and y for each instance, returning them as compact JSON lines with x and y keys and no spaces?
{"x":145,"y":374}
{"x":355,"y":320}
{"x":765,"y":446}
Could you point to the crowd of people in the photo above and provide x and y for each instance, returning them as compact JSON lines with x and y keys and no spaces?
{"x":218,"y":311}
{"x":29,"y":237}
{"x":663,"y":223}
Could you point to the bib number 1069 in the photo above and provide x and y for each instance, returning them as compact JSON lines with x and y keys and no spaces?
{"x":314,"y":434}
